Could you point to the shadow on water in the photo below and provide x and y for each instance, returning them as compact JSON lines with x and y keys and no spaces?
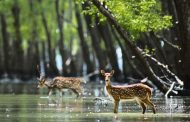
{"x":23,"y":102}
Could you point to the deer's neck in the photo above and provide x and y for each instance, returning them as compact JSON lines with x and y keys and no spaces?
{"x":108,"y":84}
{"x":108,"y":88}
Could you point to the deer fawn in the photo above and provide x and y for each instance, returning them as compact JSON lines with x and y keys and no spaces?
{"x":61,"y":83}
{"x":139,"y":92}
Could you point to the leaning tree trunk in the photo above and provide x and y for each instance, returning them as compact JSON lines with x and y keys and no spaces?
{"x":127,"y":63}
{"x":183,"y":15}
{"x":17,"y":50}
{"x":102,"y":59}
{"x":5,"y":43}
{"x":85,"y":48}
{"x":157,"y":50}
{"x":137,"y":51}
{"x":96,"y":43}
{"x":52,"y":67}
{"x":111,"y":51}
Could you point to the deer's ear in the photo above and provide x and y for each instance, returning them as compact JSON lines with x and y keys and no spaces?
{"x":144,"y":80}
{"x":102,"y":72}
{"x":112,"y":72}
{"x":42,"y":81}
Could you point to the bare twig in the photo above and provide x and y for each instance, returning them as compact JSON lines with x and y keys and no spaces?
{"x":170,"y":89}
{"x":167,"y":42}
{"x":165,"y":67}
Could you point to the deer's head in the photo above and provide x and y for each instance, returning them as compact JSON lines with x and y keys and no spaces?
{"x":41,"y":81}
{"x":107,"y":75}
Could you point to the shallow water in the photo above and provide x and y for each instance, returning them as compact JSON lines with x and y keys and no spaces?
{"x":38,"y":107}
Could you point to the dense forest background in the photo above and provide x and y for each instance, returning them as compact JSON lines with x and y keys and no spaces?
{"x":136,"y":38}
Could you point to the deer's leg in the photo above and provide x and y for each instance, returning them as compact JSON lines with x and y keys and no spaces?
{"x":149,"y":103}
{"x":143,"y":106}
{"x":49,"y":92}
{"x":116,"y":106}
{"x":153,"y":107}
{"x":60,"y":92}
{"x":76,"y":92}
{"x":80,"y":91}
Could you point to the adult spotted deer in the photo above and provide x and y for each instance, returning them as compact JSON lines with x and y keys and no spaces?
{"x":61,"y":83}
{"x":139,"y":92}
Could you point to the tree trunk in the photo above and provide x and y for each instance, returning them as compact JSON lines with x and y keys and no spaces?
{"x":101,"y":56}
{"x":1,"y":62}
{"x":60,"y":22}
{"x":52,"y":70}
{"x":32,"y":60}
{"x":44,"y":59}
{"x":183,"y":15}
{"x":33,"y":50}
{"x":110,"y":49}
{"x":127,"y":63}
{"x":5,"y":43}
{"x":85,"y":48}
{"x":172,"y":36}
{"x":102,"y":59}
{"x":17,"y":51}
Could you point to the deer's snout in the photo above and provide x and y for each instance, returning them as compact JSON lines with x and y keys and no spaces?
{"x":106,"y":79}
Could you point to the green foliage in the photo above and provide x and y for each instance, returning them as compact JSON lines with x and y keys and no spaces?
{"x":149,"y":50}
{"x":5,"y":5}
{"x":31,"y":20}
{"x":136,"y":16}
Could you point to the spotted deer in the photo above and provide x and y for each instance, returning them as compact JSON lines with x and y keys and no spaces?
{"x":61,"y":83}
{"x":139,"y":92}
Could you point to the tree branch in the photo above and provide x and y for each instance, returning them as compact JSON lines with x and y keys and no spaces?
{"x":165,"y":67}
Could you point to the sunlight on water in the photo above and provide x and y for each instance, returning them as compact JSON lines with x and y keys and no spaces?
{"x":45,"y":97}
